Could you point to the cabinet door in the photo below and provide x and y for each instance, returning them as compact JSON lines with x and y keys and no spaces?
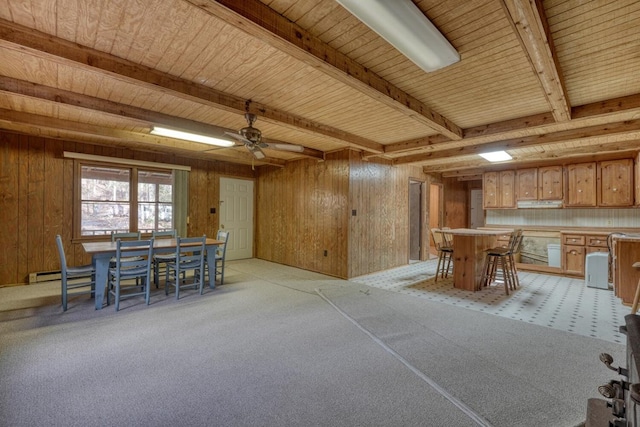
{"x":550,"y":183}
{"x":527,"y":184}
{"x":573,"y":259}
{"x":615,"y":183}
{"x":491,"y":199}
{"x":581,"y":184}
{"x":507,"y":189}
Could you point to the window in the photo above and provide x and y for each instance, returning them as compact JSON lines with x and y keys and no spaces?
{"x":155,"y":195}
{"x":114,"y":198}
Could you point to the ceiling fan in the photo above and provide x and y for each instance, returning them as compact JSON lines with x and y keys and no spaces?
{"x":251,"y":138}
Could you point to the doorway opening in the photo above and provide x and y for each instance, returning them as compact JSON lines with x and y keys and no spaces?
{"x":415,"y":220}
{"x":436,"y":210}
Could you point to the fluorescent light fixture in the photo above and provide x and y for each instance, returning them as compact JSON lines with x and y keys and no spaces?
{"x":402,"y":24}
{"x":497,"y":156}
{"x":188,"y":136}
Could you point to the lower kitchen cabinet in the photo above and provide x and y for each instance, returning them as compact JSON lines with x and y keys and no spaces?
{"x":573,"y":259}
{"x":575,"y":248}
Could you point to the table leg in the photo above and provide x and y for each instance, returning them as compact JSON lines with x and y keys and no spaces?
{"x":211,"y":264}
{"x":468,"y":260}
{"x":101,"y":265}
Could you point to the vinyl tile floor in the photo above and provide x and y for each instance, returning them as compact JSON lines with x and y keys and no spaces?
{"x":547,"y":300}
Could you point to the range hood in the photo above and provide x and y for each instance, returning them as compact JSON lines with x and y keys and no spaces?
{"x":539,"y":204}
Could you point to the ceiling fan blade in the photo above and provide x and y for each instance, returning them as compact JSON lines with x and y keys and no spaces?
{"x":238,"y":137}
{"x":287,"y":147}
{"x":256,"y":151}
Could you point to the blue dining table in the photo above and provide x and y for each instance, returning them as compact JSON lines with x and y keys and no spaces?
{"x":102,"y":252}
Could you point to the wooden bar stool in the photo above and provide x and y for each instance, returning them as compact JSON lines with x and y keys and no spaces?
{"x":445,"y":253}
{"x":500,"y":261}
{"x":636,"y":298}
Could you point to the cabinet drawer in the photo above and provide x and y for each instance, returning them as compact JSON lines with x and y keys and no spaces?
{"x":573,"y":239}
{"x":597,"y":241}
{"x":592,"y":249}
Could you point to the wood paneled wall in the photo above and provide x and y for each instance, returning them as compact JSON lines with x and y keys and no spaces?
{"x":307,"y":208}
{"x":36,"y":200}
{"x":456,"y":203}
{"x":379,"y":231}
{"x":302,"y":212}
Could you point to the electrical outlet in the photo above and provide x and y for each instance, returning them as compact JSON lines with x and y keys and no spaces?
{"x":609,"y":223}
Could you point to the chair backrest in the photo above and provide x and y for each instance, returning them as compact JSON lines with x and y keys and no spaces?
{"x":63,"y":258}
{"x":515,"y":240}
{"x":190,"y":256}
{"x":222,"y":248}
{"x":125,"y":262}
{"x":438,"y":238}
{"x":134,"y":235}
{"x":518,"y":244}
{"x":167,"y":234}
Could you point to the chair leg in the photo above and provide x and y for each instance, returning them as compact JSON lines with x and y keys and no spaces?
{"x":63,"y":285}
{"x":147,"y":292}
{"x":449,"y":257}
{"x":484,"y":281}
{"x":636,"y":299}
{"x":505,"y":277}
{"x":438,"y":267}
{"x":117,"y":295}
{"x":514,"y":271}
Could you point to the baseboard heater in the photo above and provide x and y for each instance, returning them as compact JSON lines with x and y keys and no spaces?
{"x":44,"y":276}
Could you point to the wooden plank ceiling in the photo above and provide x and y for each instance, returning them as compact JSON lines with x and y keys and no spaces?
{"x":541,"y":79}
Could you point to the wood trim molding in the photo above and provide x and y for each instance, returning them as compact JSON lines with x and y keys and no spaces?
{"x":121,"y":161}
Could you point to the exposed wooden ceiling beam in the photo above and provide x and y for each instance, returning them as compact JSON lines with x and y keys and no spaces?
{"x":259,"y":20}
{"x":529,"y":141}
{"x":610,"y":106}
{"x":40,"y":43}
{"x":532,"y":29}
{"x":34,"y":124}
{"x":46,"y":93}
{"x":592,"y":153}
{"x":510,"y":129}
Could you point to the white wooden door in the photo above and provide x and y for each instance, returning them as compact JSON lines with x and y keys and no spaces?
{"x":236,"y":216}
{"x":476,"y":211}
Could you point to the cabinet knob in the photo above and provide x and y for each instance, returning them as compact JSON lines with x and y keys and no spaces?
{"x":579,"y":191}
{"x":550,"y":191}
{"x":614,"y":189}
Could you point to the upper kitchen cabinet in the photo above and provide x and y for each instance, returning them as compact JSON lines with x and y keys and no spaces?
{"x":581,"y":185}
{"x":498,"y":189}
{"x":527,"y":184}
{"x":615,"y":183}
{"x":550,"y":183}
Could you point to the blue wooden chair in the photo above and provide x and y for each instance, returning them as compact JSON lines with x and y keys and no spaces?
{"x":221,"y":253}
{"x":188,"y":258}
{"x":162,"y":259}
{"x":131,"y":275}
{"x":79,"y":280}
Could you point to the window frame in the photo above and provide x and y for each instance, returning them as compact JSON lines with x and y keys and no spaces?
{"x":133,"y":195}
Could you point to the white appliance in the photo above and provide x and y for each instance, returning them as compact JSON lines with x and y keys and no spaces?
{"x":597,"y":270}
